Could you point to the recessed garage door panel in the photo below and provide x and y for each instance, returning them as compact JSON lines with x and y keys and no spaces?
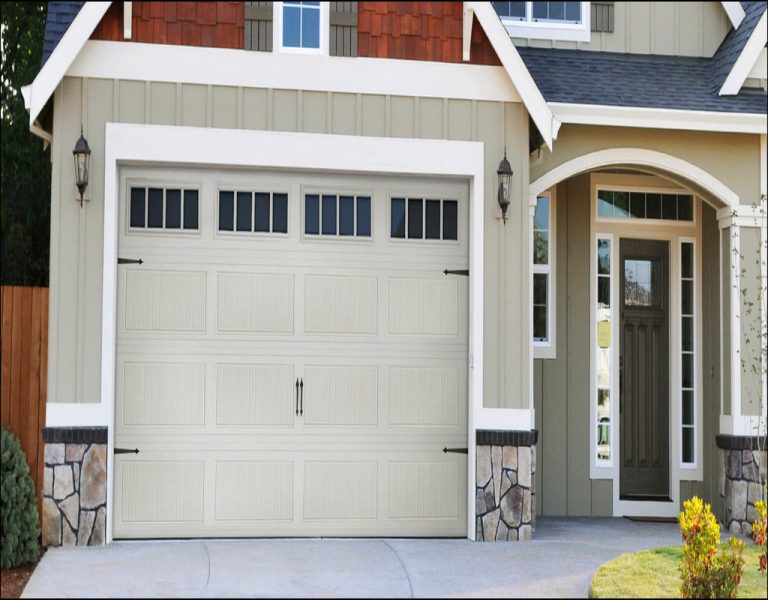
{"x":280,"y":382}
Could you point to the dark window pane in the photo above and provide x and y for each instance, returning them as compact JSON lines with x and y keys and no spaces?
{"x":688,"y":407}
{"x":540,"y":248}
{"x":621,"y":205}
{"x":433,"y":220}
{"x":604,"y":291}
{"x":605,"y":203}
{"x":688,"y":450}
{"x":292,"y":26}
{"x":329,"y":215}
{"x":137,"y":207}
{"x":226,"y":211}
{"x":653,"y":206}
{"x":280,"y":213}
{"x":573,"y":11}
{"x":450,"y":219}
{"x":364,"y":216}
{"x":540,"y":10}
{"x":244,"y":211}
{"x":687,"y":298}
{"x":539,"y":288}
{"x":637,"y":205}
{"x":310,"y":28}
{"x":510,"y":9}
{"x":155,"y":208}
{"x":262,"y":211}
{"x":415,"y":218}
{"x":541,"y":214}
{"x":398,"y":218}
{"x":190,"y":209}
{"x":669,"y":206}
{"x":556,"y":10}
{"x":173,"y":209}
{"x":687,"y":333}
{"x":687,"y":259}
{"x":346,"y":215}
{"x":688,"y":370}
{"x":540,"y":323}
{"x":604,"y":257}
{"x":685,"y":208}
{"x":312,"y":214}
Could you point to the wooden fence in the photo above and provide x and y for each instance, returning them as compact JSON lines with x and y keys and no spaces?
{"x":24,"y":358}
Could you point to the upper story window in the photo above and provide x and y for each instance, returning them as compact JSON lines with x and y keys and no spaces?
{"x":546,"y":20}
{"x":301,"y":27}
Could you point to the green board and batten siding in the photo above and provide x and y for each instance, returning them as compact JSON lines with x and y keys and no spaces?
{"x":77,"y":238}
{"x":561,"y":385}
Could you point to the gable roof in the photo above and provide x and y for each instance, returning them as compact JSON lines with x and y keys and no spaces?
{"x":730,"y":49}
{"x":60,"y":17}
{"x":633,"y":80}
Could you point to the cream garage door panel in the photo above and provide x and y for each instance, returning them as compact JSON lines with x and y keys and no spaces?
{"x":216,"y":328}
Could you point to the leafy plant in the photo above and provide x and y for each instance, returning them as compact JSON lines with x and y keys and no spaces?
{"x":705,"y":573}
{"x":759,"y":533}
{"x":18,"y":510}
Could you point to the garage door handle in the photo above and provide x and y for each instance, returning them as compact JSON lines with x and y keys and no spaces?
{"x":297,"y":396}
{"x":301,"y":385}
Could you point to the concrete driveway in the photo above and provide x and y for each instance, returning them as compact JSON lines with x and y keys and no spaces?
{"x":559,"y":562}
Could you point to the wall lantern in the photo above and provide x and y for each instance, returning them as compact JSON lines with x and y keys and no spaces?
{"x":82,"y":154}
{"x":504,"y":173}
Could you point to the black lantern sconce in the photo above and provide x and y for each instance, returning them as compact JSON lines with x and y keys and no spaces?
{"x":82,"y":155}
{"x":504,"y":173}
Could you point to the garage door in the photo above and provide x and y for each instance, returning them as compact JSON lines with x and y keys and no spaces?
{"x":291,"y":359}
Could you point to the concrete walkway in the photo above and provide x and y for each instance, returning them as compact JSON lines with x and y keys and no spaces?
{"x":559,"y":562}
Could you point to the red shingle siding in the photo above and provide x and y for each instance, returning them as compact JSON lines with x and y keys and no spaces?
{"x":419,"y":31}
{"x":215,"y":24}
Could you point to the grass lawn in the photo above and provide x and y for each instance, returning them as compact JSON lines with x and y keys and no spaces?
{"x":655,"y":574}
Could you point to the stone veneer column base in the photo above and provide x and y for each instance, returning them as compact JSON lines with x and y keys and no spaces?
{"x":74,"y":486}
{"x":504,"y":485}
{"x":742,"y":475}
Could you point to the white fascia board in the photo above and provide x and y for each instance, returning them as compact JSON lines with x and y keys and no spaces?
{"x":541,"y":114}
{"x":244,"y":68}
{"x":735,"y":12}
{"x":65,"y":53}
{"x":659,"y":118}
{"x":747,"y":59}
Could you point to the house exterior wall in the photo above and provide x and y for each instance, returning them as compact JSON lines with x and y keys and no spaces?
{"x":562,"y":386}
{"x":674,"y":28}
{"x":77,"y":234}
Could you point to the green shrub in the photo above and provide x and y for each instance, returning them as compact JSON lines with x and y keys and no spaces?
{"x":706,"y":574}
{"x":18,"y":510}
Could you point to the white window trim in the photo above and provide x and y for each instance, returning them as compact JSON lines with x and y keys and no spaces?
{"x":325,"y":31}
{"x":547,"y":349}
{"x":697,"y":369}
{"x":645,"y":222}
{"x":550,"y":30}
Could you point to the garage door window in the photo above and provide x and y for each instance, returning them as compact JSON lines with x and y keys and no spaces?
{"x":430,"y":219}
{"x":249,"y":212}
{"x":164,"y":208}
{"x":337,"y":216}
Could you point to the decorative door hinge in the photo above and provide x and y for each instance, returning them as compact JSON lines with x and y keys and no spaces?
{"x":456,"y":450}
{"x":130,"y":261}
{"x":126,"y":450}
{"x":464,"y":272}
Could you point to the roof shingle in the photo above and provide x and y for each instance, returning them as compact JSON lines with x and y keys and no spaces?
{"x":60,"y":17}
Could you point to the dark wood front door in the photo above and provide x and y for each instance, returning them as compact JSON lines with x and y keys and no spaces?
{"x":644,"y":370}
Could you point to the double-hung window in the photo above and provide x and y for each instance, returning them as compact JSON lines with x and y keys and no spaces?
{"x":301,"y":27}
{"x":543,"y":277}
{"x":546,"y":20}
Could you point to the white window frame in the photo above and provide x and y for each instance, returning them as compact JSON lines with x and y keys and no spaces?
{"x":546,"y":348}
{"x":277,"y":32}
{"x":550,"y":30}
{"x":696,"y":352}
{"x":644,"y":222}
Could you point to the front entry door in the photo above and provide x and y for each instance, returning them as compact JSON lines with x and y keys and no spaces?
{"x":644,"y":378}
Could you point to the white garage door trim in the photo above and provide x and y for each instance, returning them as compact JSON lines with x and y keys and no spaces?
{"x":126,"y":144}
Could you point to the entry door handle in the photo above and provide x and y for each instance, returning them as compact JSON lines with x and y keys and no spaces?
{"x":301,"y":385}
{"x":297,"y":396}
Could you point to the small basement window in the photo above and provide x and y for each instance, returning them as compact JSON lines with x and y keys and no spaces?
{"x":159,"y":208}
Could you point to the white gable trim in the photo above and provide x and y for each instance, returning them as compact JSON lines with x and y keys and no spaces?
{"x":659,"y":118}
{"x":41,"y":89}
{"x":735,"y":12}
{"x":546,"y":122}
{"x":747,"y":59}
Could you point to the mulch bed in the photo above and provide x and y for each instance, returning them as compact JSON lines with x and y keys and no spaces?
{"x":13,"y":581}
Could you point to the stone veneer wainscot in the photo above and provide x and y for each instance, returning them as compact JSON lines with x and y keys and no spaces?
{"x":742,"y":475}
{"x":74,"y":486}
{"x":504,"y":490}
